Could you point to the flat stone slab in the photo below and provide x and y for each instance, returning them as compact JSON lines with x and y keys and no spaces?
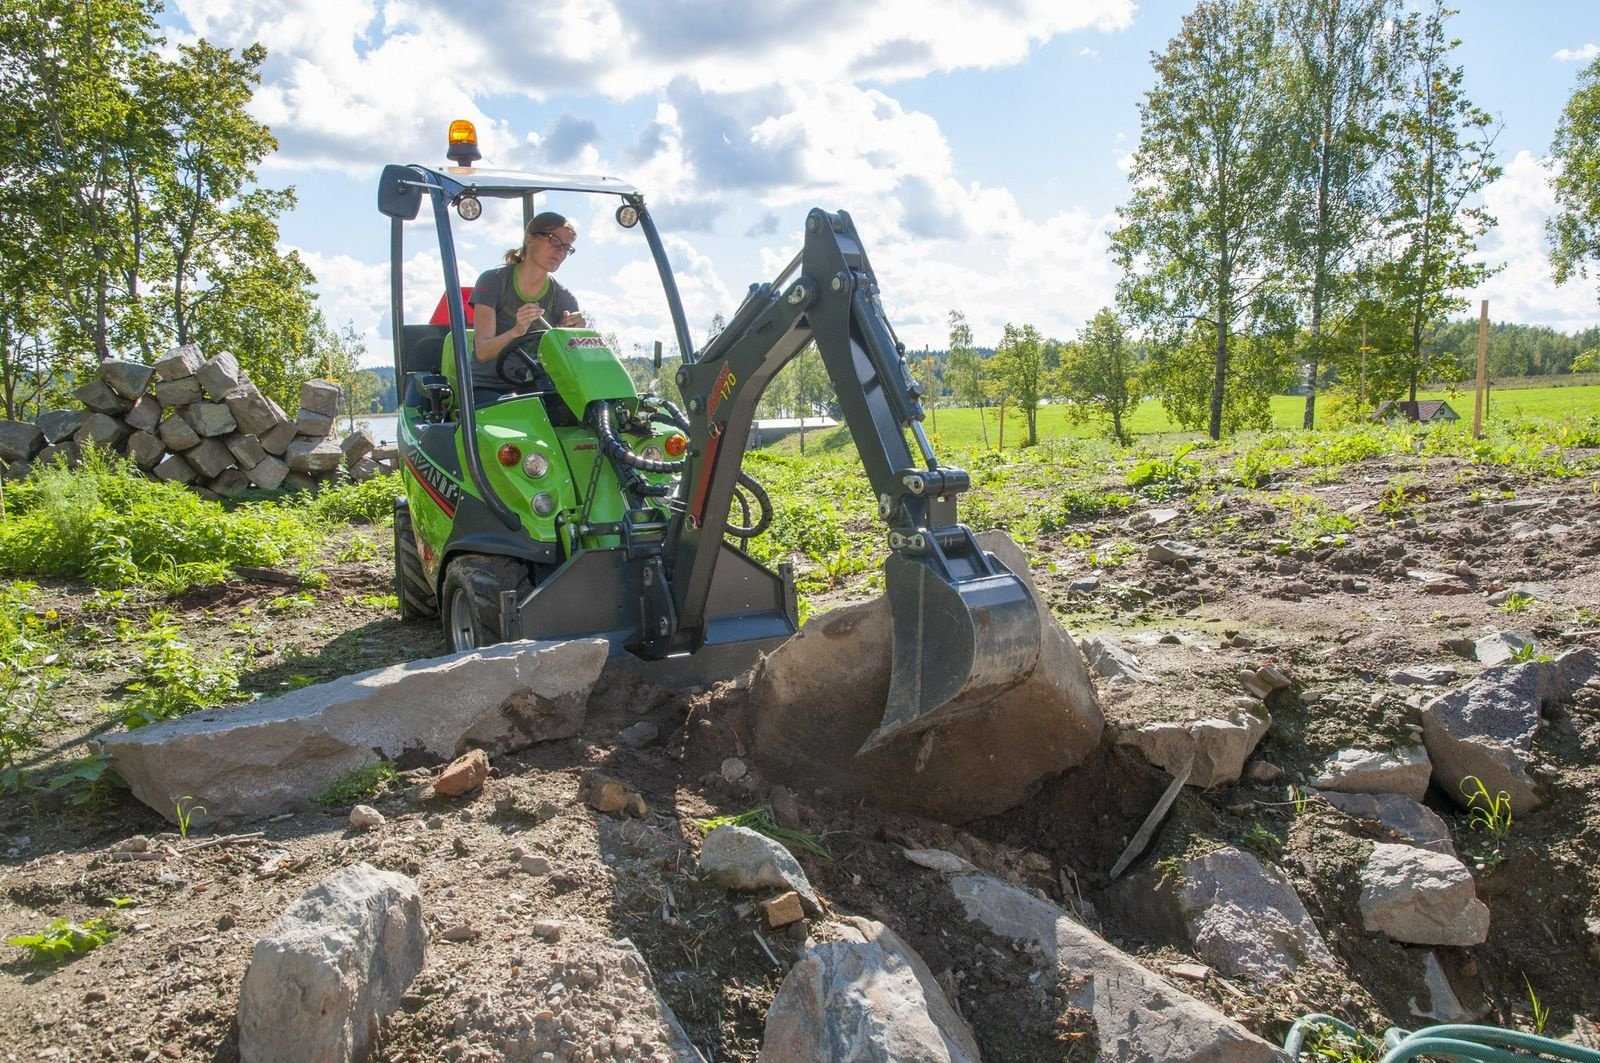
{"x":277,"y":755}
{"x":1369,"y":771}
{"x":1246,"y":919}
{"x":1139,"y":1016}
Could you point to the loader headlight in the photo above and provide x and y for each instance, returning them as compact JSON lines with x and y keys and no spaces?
{"x":535,"y":465}
{"x":651,"y":453}
{"x":627,"y":215}
{"x":469,"y":207}
{"x":544,"y":504}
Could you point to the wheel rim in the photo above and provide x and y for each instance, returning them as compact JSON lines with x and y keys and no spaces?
{"x":463,"y":629}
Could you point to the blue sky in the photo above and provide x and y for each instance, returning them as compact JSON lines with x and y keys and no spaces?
{"x":979,"y":146}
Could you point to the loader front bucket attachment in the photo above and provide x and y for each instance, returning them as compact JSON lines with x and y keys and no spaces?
{"x":966,"y":630}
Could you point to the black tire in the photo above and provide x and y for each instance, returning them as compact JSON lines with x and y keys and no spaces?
{"x":411,"y":584}
{"x":470,"y":603}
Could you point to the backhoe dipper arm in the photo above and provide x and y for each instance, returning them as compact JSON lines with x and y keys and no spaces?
{"x":827,"y":294}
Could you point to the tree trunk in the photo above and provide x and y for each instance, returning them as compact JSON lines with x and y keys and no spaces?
{"x":1218,"y":381}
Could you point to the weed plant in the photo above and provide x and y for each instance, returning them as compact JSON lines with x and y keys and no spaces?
{"x":62,"y":939}
{"x":760,"y":820}
{"x":29,"y":671}
{"x":107,"y":525}
{"x":170,"y":678}
{"x":366,"y":781}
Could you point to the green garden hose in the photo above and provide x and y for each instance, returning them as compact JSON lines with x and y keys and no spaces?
{"x":1469,"y":1044}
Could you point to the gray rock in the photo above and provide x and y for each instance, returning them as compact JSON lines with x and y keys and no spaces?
{"x":16,"y":471}
{"x":1084,"y":585}
{"x":268,"y":473}
{"x":313,"y":425}
{"x":146,"y":449}
{"x":1246,"y":919}
{"x":1421,"y":898}
{"x":938,"y":860}
{"x":101,"y":430}
{"x":639,"y":735}
{"x":313,"y":455}
{"x":1366,"y":771}
{"x":1501,"y":647}
{"x":180,"y":363}
{"x":20,"y":441}
{"x":1423,"y":675}
{"x":868,"y":996}
{"x":99,"y":397}
{"x":1218,"y":746}
{"x":1104,"y":656}
{"x":246,"y":449}
{"x":822,"y":694}
{"x":1150,"y":518}
{"x":58,"y":425}
{"x":1139,"y":1017}
{"x":1443,"y":1004}
{"x":276,"y":439}
{"x":128,"y":379}
{"x":209,"y":458}
{"x":181,"y":392}
{"x":363,"y":470}
{"x":1486,"y":728}
{"x":218,"y":376}
{"x":144,"y":415}
{"x":210,"y":418}
{"x":177,"y":433}
{"x":276,"y":755}
{"x":174,"y":469}
{"x":320,"y":396}
{"x":253,"y":412}
{"x":330,"y":968}
{"x":365,"y":817}
{"x":356,"y":445}
{"x":742,"y":859}
{"x":230,"y":483}
{"x":1413,"y":822}
{"x":1168,"y":551}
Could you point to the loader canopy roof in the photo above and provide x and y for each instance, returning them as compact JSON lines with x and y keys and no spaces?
{"x":511,"y":183}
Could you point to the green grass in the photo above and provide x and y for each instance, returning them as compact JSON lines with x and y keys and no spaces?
{"x":957,"y":428}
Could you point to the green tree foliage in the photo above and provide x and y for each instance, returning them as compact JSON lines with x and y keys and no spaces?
{"x":1201,"y":241}
{"x":1020,"y":373}
{"x":1098,"y":375}
{"x":1440,"y":155}
{"x":133,"y":217}
{"x":964,"y":370}
{"x":1575,"y":164}
{"x":1338,"y":56}
{"x":1260,"y":366}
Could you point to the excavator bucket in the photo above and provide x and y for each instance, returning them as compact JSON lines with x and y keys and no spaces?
{"x":962,"y":637}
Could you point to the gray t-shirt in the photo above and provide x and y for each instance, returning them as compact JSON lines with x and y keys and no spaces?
{"x":498,"y":288}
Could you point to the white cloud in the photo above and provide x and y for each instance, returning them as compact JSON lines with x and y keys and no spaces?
{"x":1568,"y":55}
{"x":1524,"y":291}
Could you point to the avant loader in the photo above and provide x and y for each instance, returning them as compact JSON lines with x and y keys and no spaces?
{"x":580,"y":508}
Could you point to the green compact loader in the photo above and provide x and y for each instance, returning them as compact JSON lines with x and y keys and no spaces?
{"x":579,"y":508}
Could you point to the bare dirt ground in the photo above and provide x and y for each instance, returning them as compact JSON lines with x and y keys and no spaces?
{"x":1426,"y":547}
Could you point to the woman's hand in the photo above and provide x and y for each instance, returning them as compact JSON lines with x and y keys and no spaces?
{"x":574,"y":319}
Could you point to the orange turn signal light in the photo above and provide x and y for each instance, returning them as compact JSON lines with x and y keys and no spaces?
{"x":509,"y":455}
{"x":676,"y":446}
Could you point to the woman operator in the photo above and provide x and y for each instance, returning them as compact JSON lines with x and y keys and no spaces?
{"x":519,"y":298}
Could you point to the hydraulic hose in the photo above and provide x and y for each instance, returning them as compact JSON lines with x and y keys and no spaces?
{"x":599,"y":417}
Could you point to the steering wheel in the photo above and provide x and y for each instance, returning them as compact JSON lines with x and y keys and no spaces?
{"x":517,"y":363}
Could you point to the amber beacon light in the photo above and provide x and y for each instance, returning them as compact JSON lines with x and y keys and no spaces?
{"x":463,"y":150}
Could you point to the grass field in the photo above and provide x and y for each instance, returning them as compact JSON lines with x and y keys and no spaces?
{"x":959,"y":427}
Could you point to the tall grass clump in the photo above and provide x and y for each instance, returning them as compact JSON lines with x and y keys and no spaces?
{"x":106,"y":524}
{"x":28,"y":672}
{"x":371,"y":502}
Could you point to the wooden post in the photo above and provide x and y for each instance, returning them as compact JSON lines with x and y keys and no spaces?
{"x":1478,"y":403}
{"x":1002,"y":423}
{"x":1364,"y":349}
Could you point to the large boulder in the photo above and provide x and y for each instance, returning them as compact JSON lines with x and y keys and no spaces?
{"x":1246,"y":919}
{"x":20,"y":441}
{"x":128,"y":379}
{"x":1217,"y":746}
{"x":816,"y":699}
{"x":330,"y":968}
{"x":1421,"y":897}
{"x":277,"y":755}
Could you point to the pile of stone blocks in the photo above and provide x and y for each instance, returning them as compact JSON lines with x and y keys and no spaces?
{"x":198,"y":421}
